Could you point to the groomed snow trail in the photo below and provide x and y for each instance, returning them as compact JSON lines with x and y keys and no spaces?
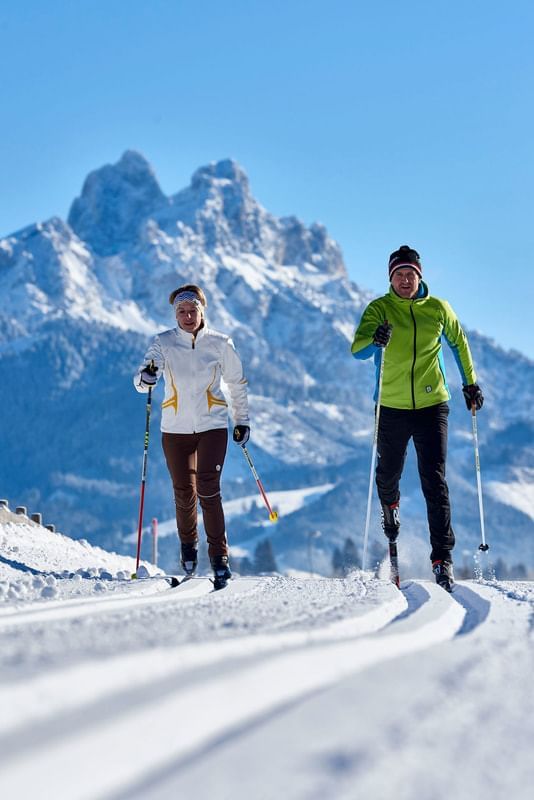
{"x":274,"y":687}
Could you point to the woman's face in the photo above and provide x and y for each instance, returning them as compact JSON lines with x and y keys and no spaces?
{"x":188,"y":316}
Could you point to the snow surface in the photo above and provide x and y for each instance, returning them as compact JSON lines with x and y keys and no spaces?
{"x":38,"y":563}
{"x":275,"y":687}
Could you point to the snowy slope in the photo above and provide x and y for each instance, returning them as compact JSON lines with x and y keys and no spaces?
{"x":36,"y":563}
{"x":274,"y":687}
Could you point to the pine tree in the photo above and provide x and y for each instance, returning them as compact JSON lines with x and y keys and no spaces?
{"x":337,"y":562}
{"x":350,"y":557}
{"x":518,"y":573}
{"x":256,"y":513}
{"x":501,"y":570}
{"x":264,"y":560}
{"x":244,"y":566}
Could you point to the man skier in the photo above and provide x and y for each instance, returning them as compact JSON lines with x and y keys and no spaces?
{"x":406,"y":327}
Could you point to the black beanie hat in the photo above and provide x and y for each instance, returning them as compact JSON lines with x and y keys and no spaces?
{"x":405,"y":257}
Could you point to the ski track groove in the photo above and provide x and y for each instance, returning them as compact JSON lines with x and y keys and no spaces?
{"x":477,"y":608}
{"x":418,"y":617}
{"x":87,"y":606}
{"x":190,"y":657}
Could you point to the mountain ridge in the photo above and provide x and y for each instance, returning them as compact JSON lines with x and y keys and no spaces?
{"x":79,"y":312}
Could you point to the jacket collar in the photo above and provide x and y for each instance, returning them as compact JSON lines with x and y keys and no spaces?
{"x":187,"y":337}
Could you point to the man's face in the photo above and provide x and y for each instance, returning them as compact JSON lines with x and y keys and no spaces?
{"x":405,"y":282}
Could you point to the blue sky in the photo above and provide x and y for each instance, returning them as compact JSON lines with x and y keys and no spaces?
{"x":389,"y":122}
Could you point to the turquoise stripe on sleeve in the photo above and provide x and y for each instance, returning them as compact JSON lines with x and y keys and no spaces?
{"x":443,"y":371}
{"x":458,"y":360}
{"x":367,"y":352}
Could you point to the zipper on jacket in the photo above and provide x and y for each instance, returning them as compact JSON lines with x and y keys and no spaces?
{"x":194,"y":412}
{"x":414,"y":352}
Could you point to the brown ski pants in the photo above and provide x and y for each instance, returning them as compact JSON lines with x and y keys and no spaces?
{"x":195,"y":462}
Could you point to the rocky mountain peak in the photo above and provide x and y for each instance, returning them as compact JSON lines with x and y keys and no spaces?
{"x":219,"y":206}
{"x":224,"y":172}
{"x":115,"y":201}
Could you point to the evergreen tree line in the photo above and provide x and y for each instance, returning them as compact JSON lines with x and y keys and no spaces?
{"x":348,"y":558}
{"x":262,"y":561}
{"x":501,"y":571}
{"x":517,"y":572}
{"x":344,"y":560}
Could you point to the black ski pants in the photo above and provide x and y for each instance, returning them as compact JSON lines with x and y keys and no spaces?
{"x":428,"y":429}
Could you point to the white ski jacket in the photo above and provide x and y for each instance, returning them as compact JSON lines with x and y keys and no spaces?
{"x":193,"y":368}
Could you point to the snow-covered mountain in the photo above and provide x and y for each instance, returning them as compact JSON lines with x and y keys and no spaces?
{"x":80,"y":301}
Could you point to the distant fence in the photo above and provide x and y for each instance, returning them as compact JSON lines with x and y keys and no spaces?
{"x":22,"y":511}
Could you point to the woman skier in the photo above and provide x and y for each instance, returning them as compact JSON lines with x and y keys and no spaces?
{"x":194,"y":422}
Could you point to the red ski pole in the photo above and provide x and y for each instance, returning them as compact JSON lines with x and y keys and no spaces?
{"x":143,"y":481}
{"x":273,"y":515}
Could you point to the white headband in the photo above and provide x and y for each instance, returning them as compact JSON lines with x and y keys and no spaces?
{"x":189,"y":297}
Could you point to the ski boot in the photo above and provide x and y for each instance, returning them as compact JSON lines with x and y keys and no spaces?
{"x":391,"y":525}
{"x":442,"y":569}
{"x":189,"y":559}
{"x":221,"y":571}
{"x":390,"y":520}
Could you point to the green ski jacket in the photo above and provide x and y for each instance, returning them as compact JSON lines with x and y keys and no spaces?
{"x":414,"y":371}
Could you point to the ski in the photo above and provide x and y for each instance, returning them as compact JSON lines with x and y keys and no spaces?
{"x":219,"y":582}
{"x":172,"y":580}
{"x":394,"y":564}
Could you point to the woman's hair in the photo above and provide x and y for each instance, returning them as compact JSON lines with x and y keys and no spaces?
{"x":189,"y":287}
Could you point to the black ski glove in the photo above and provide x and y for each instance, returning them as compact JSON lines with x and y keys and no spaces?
{"x":149,"y":375}
{"x":473,"y":394}
{"x":382,"y":334}
{"x":241,"y":434}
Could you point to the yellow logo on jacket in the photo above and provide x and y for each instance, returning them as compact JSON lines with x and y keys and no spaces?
{"x":212,"y":400}
{"x":172,"y":402}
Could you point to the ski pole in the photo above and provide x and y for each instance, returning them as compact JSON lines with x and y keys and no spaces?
{"x":373,"y":459}
{"x":143,"y":478}
{"x":273,"y":515}
{"x":482,"y":546}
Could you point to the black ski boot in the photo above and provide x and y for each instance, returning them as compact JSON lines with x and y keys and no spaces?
{"x":221,"y":571}
{"x":189,"y":559}
{"x":390,"y":520}
{"x":391,"y":525}
{"x":444,"y":577}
